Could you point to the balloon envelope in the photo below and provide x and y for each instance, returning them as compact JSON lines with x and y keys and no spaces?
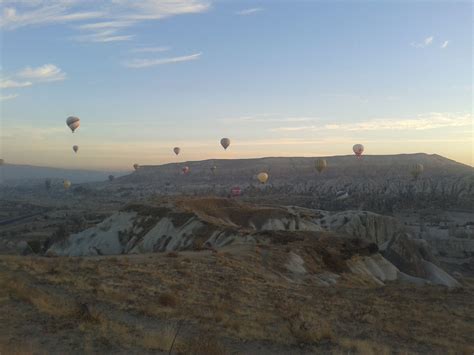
{"x":176,"y":150}
{"x":225,"y":142}
{"x":262,"y":177}
{"x":73,"y":123}
{"x":136,"y":166}
{"x":66,"y":184}
{"x":358,"y":149}
{"x":75,"y":148}
{"x":321,"y":165}
{"x":185,"y":170}
{"x":235,"y":191}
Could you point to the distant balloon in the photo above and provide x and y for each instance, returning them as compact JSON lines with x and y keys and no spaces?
{"x":235,"y":191}
{"x":358,"y":150}
{"x":321,"y":165}
{"x":66,"y":184}
{"x":136,"y":166}
{"x":111,"y":178}
{"x":2,"y":161}
{"x":185,"y":170}
{"x":176,"y":150}
{"x":75,"y":148}
{"x":416,"y":170}
{"x":213,"y":169}
{"x":225,"y":142}
{"x":262,"y":177}
{"x":73,"y":123}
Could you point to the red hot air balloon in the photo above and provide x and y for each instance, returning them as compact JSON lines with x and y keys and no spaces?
{"x":235,"y":191}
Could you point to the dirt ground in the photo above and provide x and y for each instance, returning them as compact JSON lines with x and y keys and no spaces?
{"x":237,"y":300}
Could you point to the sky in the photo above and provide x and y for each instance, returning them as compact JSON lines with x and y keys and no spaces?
{"x":279,"y":78}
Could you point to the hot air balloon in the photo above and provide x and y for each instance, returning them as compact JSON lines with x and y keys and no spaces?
{"x":111,"y":178}
{"x":75,"y":148}
{"x":176,"y":150}
{"x":262,"y":177}
{"x":358,"y":150}
{"x":66,"y":184}
{"x":73,"y":123}
{"x":2,"y":161}
{"x":235,"y":191}
{"x":321,"y":165}
{"x":213,"y":169}
{"x":225,"y":142}
{"x":136,"y":166}
{"x":185,"y":170}
{"x":416,"y":170}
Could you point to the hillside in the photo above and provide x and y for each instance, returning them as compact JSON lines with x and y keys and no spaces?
{"x":12,"y":174}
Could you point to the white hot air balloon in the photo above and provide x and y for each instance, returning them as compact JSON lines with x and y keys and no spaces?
{"x":73,"y":123}
{"x":358,"y":149}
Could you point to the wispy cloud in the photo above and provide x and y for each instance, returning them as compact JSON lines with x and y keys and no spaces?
{"x":268,"y":117}
{"x":145,"y":63}
{"x":30,"y":76}
{"x":428,"y":41}
{"x":250,"y":11}
{"x":150,"y":49}
{"x":104,"y":37}
{"x":113,"y":15}
{"x":427,"y":121}
{"x":444,"y":44}
{"x":11,"y":84}
{"x":44,"y":73}
{"x":8,"y":97}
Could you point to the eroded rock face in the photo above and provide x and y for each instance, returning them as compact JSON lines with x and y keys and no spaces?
{"x":147,"y":229}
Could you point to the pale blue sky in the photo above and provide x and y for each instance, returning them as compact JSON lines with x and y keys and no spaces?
{"x":279,"y":78}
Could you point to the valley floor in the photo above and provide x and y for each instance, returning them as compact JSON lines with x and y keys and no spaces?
{"x":235,"y":300}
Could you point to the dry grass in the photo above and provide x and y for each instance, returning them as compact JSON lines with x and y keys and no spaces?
{"x":237,"y":297}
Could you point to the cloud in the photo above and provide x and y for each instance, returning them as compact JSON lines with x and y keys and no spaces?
{"x":145,"y":63}
{"x":108,"y":15}
{"x":9,"y":84}
{"x":249,"y":11}
{"x":44,"y":73}
{"x":8,"y":97}
{"x":444,"y":45}
{"x":420,"y":122}
{"x":428,"y":41}
{"x":104,"y":37}
{"x":150,"y":49}
{"x":269,"y":117}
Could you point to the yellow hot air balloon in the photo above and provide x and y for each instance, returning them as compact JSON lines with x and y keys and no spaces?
{"x":416,"y":170}
{"x":321,"y":165}
{"x":73,"y":123}
{"x":225,"y":142}
{"x":262,"y":177}
{"x":66,"y":184}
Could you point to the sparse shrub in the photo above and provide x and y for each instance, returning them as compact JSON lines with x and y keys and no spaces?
{"x":172,"y":254}
{"x":203,"y":344}
{"x":168,"y":299}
